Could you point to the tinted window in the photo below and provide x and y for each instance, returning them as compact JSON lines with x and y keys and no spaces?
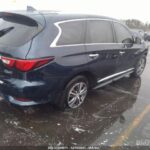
{"x":13,"y":33}
{"x":122,"y":32}
{"x":72,"y":33}
{"x":99,"y":32}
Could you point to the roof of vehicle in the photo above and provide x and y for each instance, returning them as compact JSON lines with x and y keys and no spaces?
{"x":59,"y":14}
{"x":73,"y":15}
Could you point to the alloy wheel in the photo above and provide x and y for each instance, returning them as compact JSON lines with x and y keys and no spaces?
{"x":77,"y":94}
{"x":141,"y":66}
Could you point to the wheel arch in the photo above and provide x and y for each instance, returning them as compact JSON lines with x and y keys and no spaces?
{"x":90,"y":77}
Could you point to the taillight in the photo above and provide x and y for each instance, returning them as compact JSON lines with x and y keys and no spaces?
{"x":8,"y":61}
{"x":25,"y":65}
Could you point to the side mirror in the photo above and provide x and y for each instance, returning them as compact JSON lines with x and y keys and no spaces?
{"x":128,"y":41}
{"x":137,"y":40}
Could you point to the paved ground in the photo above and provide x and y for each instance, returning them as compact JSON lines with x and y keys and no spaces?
{"x":118,"y":115}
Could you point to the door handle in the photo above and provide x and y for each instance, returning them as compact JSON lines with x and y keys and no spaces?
{"x":93,"y":55}
{"x":122,"y":52}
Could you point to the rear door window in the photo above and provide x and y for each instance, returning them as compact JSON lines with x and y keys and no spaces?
{"x":99,"y":31}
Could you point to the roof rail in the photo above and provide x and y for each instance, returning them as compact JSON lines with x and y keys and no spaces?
{"x":30,"y":8}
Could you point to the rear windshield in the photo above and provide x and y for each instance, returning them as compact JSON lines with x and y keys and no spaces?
{"x":16,"y":31}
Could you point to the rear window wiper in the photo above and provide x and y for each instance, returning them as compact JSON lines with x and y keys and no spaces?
{"x":5,"y":31}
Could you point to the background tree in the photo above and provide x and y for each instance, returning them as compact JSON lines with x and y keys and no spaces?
{"x":136,"y":24}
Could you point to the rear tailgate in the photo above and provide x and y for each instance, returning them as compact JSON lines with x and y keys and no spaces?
{"x":16,"y":34}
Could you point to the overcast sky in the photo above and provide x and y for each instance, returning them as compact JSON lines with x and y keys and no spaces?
{"x":120,"y":9}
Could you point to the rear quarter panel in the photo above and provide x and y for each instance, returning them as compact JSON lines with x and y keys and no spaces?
{"x":69,"y":60}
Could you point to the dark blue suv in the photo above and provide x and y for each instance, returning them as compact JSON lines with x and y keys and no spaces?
{"x":55,"y":57}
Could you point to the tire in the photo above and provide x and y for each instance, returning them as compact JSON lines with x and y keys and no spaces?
{"x":139,"y":68}
{"x":69,"y":92}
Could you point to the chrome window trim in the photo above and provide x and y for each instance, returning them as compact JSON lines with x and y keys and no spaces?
{"x":114,"y":75}
{"x":54,"y":43}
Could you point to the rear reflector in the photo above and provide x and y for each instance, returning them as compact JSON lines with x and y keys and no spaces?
{"x":23,"y":99}
{"x":25,"y":65}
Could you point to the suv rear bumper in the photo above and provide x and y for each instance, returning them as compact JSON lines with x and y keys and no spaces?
{"x":25,"y":93}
